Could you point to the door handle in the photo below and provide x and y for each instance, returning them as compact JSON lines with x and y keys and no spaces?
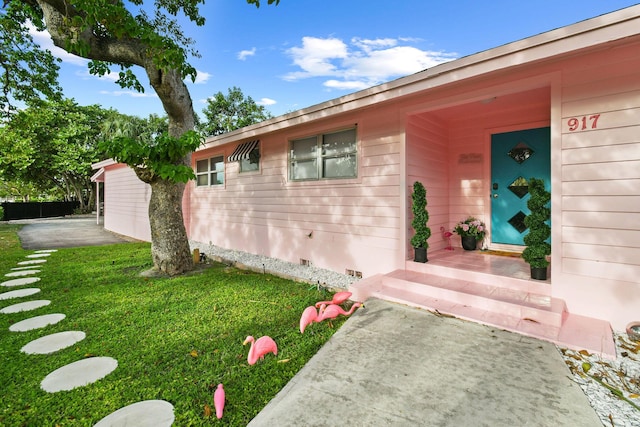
{"x":495,"y":195}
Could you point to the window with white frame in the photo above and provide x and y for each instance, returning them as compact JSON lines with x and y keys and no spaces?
{"x":210,"y":171}
{"x":325,"y":156}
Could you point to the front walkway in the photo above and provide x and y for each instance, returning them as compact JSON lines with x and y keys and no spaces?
{"x":393,"y":365}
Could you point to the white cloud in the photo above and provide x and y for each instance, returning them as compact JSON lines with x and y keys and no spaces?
{"x":84,"y":75}
{"x":201,"y":78}
{"x":378,"y":65}
{"x":362,"y":63}
{"x":368,"y":45}
{"x":131,"y":93}
{"x":266,"y":101}
{"x":243,"y":54}
{"x":345,"y":85}
{"x":315,"y":57}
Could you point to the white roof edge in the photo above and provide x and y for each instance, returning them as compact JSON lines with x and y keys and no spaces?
{"x":371,"y":95}
{"x":103,"y":163}
{"x":97,"y":175}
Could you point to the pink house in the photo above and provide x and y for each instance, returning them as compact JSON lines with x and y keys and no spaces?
{"x":331,"y":184}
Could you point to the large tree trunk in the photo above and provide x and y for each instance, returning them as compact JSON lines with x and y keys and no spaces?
{"x":169,"y":243}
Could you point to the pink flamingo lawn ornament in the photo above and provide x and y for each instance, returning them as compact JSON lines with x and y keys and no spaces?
{"x":309,"y":315}
{"x":332,"y":311}
{"x":259,"y":348}
{"x":447,"y":235}
{"x":338,"y":298}
{"x":218,"y":400}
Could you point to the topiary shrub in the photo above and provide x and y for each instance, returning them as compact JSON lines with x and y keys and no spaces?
{"x":535,"y":254}
{"x":420,"y":216}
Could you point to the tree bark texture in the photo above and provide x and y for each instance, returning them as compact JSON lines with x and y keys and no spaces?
{"x":169,"y":242}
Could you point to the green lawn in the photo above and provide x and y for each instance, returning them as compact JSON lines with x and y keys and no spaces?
{"x":174,"y":339}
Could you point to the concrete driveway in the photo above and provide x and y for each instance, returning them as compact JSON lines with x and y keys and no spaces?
{"x":65,"y":232}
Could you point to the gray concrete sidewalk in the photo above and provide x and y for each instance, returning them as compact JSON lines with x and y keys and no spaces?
{"x":392,"y":365}
{"x":64,"y":232}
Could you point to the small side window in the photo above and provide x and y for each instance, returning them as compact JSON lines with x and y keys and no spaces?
{"x":210,"y":171}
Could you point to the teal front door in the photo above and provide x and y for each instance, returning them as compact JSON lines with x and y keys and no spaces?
{"x":515,"y":158}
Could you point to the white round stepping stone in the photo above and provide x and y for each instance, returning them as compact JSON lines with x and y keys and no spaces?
{"x":25,"y":306}
{"x":36,"y":322}
{"x":46,"y":251}
{"x":148,"y":413}
{"x":22,"y":273}
{"x":20,"y":282}
{"x":18,"y":293}
{"x":32,"y":261}
{"x":38,"y":255}
{"x":77,"y":374}
{"x":54,"y":342}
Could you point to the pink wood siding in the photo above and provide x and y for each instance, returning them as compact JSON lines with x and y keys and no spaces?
{"x":354,"y":222}
{"x":126,"y":201}
{"x":428,"y":162}
{"x":599,"y":252}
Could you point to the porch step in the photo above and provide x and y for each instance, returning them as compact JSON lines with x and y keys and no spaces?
{"x":504,"y":301}
{"x":478,"y":268}
{"x":509,"y":308}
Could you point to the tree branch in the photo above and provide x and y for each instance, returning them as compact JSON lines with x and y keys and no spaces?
{"x":167,"y":82}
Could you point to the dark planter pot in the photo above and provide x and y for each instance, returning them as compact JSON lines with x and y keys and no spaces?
{"x":420,"y":254}
{"x":539,"y":273}
{"x":469,"y":243}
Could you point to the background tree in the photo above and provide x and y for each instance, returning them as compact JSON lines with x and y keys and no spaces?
{"x":126,"y":34}
{"x":27,"y":73}
{"x":52,"y":145}
{"x":226,"y":113}
{"x":26,"y":191}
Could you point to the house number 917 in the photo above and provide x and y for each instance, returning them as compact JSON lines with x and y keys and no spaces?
{"x":583,"y":123}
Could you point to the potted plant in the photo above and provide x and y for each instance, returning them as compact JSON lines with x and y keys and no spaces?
{"x":419,"y":222}
{"x":471,"y":230}
{"x":535,"y":254}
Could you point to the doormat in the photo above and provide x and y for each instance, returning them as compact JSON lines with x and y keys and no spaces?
{"x":502,"y":253}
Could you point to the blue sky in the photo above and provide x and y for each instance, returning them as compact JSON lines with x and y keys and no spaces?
{"x":304,"y":52}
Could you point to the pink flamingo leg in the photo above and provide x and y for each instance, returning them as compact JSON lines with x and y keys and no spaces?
{"x":218,"y":400}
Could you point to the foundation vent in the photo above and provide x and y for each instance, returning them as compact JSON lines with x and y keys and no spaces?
{"x":353,"y":273}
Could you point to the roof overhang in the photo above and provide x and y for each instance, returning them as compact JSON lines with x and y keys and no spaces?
{"x":98,"y":176}
{"x":104,"y":164}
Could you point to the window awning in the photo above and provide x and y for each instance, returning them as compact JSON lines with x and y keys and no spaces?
{"x":243,"y":150}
